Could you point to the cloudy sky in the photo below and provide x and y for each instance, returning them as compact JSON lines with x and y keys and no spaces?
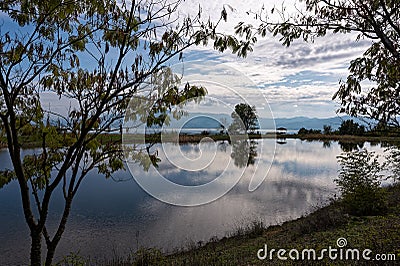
{"x":296,"y":81}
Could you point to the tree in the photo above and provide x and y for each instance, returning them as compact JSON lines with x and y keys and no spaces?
{"x":377,"y":20}
{"x":327,"y":130}
{"x":359,"y":181}
{"x":98,"y":54}
{"x":244,"y":118}
{"x":349,"y":127}
{"x":304,"y":131}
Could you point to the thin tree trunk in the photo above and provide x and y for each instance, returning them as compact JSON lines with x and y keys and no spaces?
{"x":36,"y":245}
{"x":50,"y":254}
{"x":51,"y":247}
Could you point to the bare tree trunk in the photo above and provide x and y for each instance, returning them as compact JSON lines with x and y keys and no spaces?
{"x":36,"y":245}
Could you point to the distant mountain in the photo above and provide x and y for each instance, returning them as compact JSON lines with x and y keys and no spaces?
{"x":296,"y":123}
{"x":203,"y":122}
{"x":315,"y":123}
{"x":213,"y":121}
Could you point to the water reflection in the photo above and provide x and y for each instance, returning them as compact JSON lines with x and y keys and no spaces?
{"x":223,"y":145}
{"x":281,"y":141}
{"x":326,"y":144}
{"x":351,"y":146}
{"x":244,"y":152}
{"x":107,"y":215}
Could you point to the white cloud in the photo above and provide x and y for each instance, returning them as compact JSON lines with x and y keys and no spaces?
{"x":305,"y":74}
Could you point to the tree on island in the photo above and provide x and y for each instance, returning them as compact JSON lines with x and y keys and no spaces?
{"x":376,"y":20}
{"x":244,"y":119}
{"x":97,"y":54}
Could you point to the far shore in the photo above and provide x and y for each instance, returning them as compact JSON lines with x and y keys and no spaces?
{"x":28,"y":143}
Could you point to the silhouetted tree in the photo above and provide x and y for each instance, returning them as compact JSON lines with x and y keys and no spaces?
{"x":349,"y":127}
{"x":304,"y":131}
{"x":327,"y":130}
{"x":244,"y":116}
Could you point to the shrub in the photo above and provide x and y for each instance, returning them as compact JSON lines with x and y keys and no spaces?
{"x":359,"y":181}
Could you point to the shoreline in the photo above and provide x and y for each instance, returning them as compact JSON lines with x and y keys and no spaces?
{"x":183,"y":138}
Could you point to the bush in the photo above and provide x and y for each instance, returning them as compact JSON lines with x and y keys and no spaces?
{"x":359,"y":181}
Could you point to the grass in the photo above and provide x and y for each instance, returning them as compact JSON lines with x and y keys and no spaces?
{"x":318,"y":230}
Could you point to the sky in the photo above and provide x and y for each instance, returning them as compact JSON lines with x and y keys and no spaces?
{"x":299,"y":80}
{"x":296,"y":81}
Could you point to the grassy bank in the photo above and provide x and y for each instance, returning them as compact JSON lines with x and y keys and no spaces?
{"x":317,"y":230}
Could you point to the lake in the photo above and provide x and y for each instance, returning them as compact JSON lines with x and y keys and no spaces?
{"x":115,"y":216}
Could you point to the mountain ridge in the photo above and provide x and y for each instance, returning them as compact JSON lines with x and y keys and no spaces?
{"x":213,"y":121}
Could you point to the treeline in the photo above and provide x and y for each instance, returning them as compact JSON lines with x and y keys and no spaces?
{"x":349,"y":127}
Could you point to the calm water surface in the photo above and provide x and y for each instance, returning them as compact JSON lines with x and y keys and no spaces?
{"x":115,"y":216}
